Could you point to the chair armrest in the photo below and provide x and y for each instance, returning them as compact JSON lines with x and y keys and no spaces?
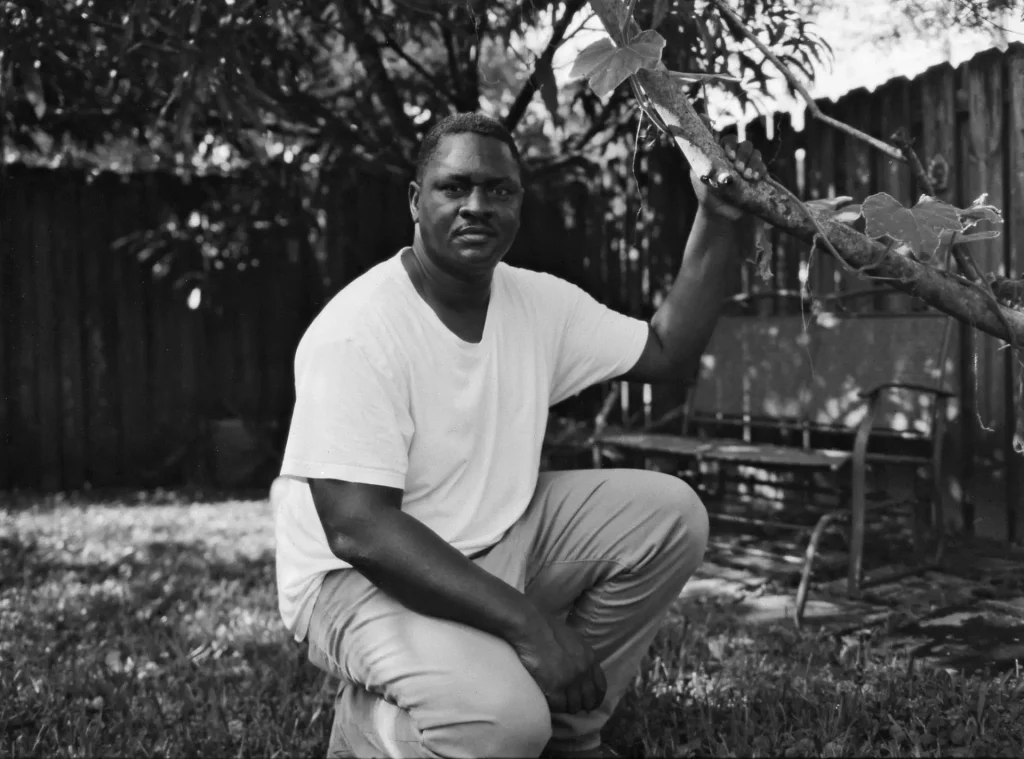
{"x":873,"y":392}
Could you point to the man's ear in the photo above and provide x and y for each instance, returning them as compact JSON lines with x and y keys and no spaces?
{"x":414,"y":200}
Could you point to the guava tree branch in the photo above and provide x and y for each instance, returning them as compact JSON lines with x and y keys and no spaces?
{"x":943,"y":290}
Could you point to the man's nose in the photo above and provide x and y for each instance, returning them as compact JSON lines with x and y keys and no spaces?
{"x":477,"y":202}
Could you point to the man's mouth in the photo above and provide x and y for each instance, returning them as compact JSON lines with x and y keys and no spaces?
{"x":474,"y":234}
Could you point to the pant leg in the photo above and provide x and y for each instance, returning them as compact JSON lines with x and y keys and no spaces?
{"x":612,"y":548}
{"x":418,"y":686}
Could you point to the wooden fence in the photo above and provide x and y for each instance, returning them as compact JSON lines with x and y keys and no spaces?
{"x":108,"y":378}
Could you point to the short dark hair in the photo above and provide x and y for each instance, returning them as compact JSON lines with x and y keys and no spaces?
{"x":462,"y":123}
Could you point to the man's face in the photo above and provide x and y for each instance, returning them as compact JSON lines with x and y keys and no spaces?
{"x":468,"y":204}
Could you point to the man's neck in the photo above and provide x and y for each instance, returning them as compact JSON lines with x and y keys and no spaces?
{"x":440,"y":287}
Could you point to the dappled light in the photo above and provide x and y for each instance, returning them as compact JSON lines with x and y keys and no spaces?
{"x":816,"y":370}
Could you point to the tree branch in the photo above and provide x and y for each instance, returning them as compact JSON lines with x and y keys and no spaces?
{"x":708,"y":162}
{"x":415,"y":65}
{"x":515,"y":113}
{"x":369,"y":56}
{"x":812,"y":106}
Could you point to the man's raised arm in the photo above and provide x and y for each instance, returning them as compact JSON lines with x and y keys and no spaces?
{"x":682,"y":326}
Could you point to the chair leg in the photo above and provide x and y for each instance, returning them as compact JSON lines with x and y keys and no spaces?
{"x":938,"y":515}
{"x":808,"y":569}
{"x":858,"y":504}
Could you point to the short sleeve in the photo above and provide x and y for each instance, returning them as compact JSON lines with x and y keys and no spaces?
{"x":350,"y":421}
{"x":597,"y":344}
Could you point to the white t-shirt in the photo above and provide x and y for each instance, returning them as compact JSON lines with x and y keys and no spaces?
{"x":387,"y":395}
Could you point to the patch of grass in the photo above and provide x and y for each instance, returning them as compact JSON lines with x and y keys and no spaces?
{"x":142,"y":629}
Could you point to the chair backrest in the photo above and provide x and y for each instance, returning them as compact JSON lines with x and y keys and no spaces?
{"x":756,"y":367}
{"x":858,"y":353}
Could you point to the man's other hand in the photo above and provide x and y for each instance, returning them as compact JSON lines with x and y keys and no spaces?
{"x":563,"y":665}
{"x":747,"y":162}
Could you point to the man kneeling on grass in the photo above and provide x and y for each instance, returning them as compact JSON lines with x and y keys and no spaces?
{"x":471,"y":606}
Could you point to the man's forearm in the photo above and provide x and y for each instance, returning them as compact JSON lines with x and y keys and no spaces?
{"x":411,"y":563}
{"x":685,"y":320}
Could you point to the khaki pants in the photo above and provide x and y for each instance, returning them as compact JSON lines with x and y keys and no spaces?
{"x":608,"y":549}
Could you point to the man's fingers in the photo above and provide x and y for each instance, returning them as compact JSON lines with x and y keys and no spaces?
{"x":588,"y":692}
{"x":556,"y":702}
{"x":573,"y":698}
{"x":729,"y":145}
{"x":600,"y":684}
{"x":746,"y":160}
{"x":744,"y":151}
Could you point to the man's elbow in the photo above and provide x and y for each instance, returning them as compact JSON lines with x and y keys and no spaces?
{"x":351,"y":517}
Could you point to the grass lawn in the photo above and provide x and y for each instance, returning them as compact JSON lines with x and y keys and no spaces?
{"x":151,"y":628}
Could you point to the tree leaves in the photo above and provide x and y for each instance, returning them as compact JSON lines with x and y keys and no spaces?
{"x":921,"y":228}
{"x":606,"y":65}
{"x":925,"y":230}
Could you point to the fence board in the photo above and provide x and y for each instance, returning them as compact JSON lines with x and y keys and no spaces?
{"x":821,"y":183}
{"x":102,"y":420}
{"x":1014,"y":252}
{"x":24,"y":341}
{"x":893,"y":177}
{"x":857,"y":178}
{"x":985,"y":175}
{"x":787,"y":248}
{"x":756,"y":132}
{"x":7,"y":394}
{"x":132,"y":377}
{"x":47,"y":363}
{"x":67,"y":259}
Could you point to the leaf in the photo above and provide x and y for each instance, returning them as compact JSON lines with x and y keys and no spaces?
{"x":606,"y":66}
{"x":549,"y":90}
{"x":980,"y":211}
{"x":849,"y":214}
{"x":197,"y":17}
{"x":592,"y":57}
{"x":681,"y":76}
{"x":988,"y":234}
{"x":34,"y":90}
{"x":919,"y":228}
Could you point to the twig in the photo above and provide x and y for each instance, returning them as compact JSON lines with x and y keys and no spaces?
{"x":629,"y":17}
{"x":903,"y":143}
{"x":413,"y":63}
{"x":983,"y":286}
{"x":874,"y":142}
{"x":515,"y":113}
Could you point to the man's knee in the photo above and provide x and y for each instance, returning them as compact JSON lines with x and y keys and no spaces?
{"x":679,"y":516}
{"x":500,"y":720}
